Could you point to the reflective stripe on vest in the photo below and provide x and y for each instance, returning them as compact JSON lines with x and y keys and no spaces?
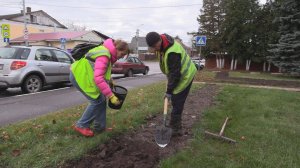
{"x":188,"y":70}
{"x":188,"y":65}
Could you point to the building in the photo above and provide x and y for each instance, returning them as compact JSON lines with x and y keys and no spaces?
{"x":138,"y":44}
{"x":37,"y":22}
{"x":64,"y":40}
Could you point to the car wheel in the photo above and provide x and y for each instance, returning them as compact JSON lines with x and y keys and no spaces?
{"x":146,"y":71}
{"x":130,"y":73}
{"x":196,"y":65}
{"x":3,"y":89}
{"x":32,"y":84}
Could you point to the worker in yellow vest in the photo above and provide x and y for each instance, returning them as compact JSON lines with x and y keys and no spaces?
{"x":176,"y":64}
{"x":91,"y":75}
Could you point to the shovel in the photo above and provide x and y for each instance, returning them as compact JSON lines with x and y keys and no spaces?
{"x":163,"y":134}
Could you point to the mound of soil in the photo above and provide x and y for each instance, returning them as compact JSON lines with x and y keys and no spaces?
{"x":138,"y":149}
{"x":223,"y":76}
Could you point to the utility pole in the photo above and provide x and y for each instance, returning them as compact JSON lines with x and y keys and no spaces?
{"x":137,"y":42}
{"x":137,"y":39}
{"x":25,"y":25}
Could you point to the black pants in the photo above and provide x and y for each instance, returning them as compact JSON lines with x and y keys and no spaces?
{"x":178,"y":100}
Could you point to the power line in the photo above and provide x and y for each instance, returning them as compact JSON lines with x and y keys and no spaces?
{"x":125,"y":8}
{"x":11,"y":2}
{"x":3,"y":6}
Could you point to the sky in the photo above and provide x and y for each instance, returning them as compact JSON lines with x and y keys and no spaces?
{"x":120,"y":19}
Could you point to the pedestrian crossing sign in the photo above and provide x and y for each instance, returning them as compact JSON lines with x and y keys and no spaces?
{"x":200,"y":40}
{"x":5,"y":30}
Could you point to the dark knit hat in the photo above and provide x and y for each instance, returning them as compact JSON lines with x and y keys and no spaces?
{"x":152,"y":38}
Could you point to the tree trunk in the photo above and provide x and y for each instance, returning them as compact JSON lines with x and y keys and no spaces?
{"x":217,"y":61}
{"x":235,"y":64}
{"x":264,"y":66}
{"x":269,"y":67}
{"x":248,"y":63}
{"x":232,"y":63}
{"x":222,"y":62}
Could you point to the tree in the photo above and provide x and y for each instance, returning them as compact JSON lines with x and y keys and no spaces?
{"x":72,"y":26}
{"x":286,"y":53}
{"x":178,"y":38}
{"x":210,"y":22}
{"x":239,"y":34}
{"x":266,"y":32}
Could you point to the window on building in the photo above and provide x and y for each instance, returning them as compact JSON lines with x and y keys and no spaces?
{"x":33,"y":19}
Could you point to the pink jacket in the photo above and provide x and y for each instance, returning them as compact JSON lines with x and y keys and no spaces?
{"x":101,"y":65}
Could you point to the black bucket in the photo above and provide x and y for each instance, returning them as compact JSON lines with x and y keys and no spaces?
{"x":121,"y":93}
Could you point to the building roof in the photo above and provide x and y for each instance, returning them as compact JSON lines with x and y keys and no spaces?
{"x":101,"y":35}
{"x":141,"y":42}
{"x":54,"y":36}
{"x":12,"y":16}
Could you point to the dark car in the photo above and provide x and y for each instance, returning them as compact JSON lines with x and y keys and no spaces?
{"x":129,"y":66}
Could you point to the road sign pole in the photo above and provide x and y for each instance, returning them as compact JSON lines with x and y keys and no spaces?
{"x":200,"y":56}
{"x":200,"y":41}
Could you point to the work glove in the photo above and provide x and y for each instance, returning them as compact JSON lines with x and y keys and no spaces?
{"x":169,"y":96}
{"x":114,"y":100}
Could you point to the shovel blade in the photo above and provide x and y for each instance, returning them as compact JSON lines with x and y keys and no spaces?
{"x":162,"y":136}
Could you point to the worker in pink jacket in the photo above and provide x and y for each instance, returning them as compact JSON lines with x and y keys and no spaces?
{"x":91,"y":75}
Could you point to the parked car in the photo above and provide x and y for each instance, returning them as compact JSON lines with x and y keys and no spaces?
{"x":129,"y":66}
{"x":199,"y":63}
{"x":33,"y":67}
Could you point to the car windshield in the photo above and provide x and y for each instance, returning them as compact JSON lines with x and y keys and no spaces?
{"x":122,"y":60}
{"x":14,"y":53}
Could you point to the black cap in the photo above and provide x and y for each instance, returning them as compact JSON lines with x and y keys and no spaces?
{"x":152,"y":38}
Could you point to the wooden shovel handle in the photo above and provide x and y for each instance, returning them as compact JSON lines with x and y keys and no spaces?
{"x":166,"y":106}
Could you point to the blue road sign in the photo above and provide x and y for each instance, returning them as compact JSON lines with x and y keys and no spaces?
{"x":63,"y":40}
{"x":6,"y":40}
{"x":200,"y":40}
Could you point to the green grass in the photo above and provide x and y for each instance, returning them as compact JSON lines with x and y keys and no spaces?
{"x":258,"y":75}
{"x":268,"y":119}
{"x":205,"y":75}
{"x":49,"y":141}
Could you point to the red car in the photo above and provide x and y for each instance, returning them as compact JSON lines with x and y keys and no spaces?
{"x":129,"y":66}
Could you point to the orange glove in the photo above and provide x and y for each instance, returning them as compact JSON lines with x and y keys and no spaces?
{"x":114,"y":100}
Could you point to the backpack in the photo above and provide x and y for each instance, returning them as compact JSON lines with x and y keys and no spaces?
{"x":80,"y":50}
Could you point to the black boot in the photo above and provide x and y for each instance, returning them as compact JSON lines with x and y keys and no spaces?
{"x":175,"y":124}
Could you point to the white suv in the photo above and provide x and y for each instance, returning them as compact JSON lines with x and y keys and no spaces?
{"x":33,"y":67}
{"x":200,"y":64}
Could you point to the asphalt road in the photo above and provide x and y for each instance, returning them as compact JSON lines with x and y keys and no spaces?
{"x":27,"y":106}
{"x":154,"y":69}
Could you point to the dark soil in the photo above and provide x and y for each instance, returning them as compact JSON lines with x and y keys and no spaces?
{"x":138,"y":149}
{"x":223,"y":76}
